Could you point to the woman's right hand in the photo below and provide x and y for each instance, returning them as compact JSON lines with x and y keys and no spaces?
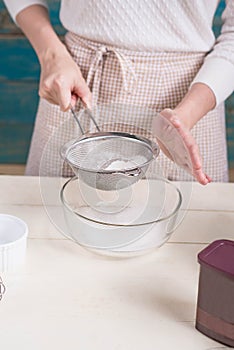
{"x":61,"y":81}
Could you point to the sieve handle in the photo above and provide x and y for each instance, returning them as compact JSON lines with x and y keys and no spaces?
{"x":77,"y":120}
{"x":89,"y":114}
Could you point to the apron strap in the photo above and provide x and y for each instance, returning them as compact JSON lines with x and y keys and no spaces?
{"x":96,"y":68}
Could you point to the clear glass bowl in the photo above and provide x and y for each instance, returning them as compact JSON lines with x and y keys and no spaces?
{"x":131,"y":220}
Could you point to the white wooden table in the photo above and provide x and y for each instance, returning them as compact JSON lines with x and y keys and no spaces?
{"x":65,"y":297}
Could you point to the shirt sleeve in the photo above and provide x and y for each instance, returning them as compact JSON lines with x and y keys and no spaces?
{"x":217,"y":70}
{"x":14,"y":7}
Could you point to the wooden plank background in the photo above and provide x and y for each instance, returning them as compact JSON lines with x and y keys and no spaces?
{"x":19,"y":74}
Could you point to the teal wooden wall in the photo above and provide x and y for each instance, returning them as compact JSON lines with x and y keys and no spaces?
{"x":19,"y":74}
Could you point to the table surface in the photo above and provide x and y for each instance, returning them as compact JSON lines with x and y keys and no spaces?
{"x":65,"y":297}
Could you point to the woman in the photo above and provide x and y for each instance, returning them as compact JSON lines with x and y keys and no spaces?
{"x":156,"y":54}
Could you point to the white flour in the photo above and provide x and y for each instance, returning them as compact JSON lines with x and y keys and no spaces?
{"x":126,"y":164}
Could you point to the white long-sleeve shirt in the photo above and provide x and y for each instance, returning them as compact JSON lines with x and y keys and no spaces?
{"x":155,"y":25}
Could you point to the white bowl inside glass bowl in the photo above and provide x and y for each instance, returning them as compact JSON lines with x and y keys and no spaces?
{"x":130,"y":220}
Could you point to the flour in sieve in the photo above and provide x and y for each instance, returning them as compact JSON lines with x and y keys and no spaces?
{"x":126,"y":164}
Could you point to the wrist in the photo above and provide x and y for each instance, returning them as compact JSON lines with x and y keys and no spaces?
{"x":186,"y":113}
{"x":199,"y":100}
{"x":51,"y":52}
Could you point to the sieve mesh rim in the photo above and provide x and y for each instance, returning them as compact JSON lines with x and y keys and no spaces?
{"x":146,"y":143}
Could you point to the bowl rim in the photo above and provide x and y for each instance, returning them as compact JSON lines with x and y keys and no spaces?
{"x":174,"y":212}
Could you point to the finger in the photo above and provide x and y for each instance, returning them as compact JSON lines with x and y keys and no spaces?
{"x":74,"y":99}
{"x":195,"y":159}
{"x":55,"y":91}
{"x":45,"y":90}
{"x":197,"y":167}
{"x":64,"y":99}
{"x":82,"y":90}
{"x":47,"y":95}
{"x":189,"y":143}
{"x":62,"y":92}
{"x":195,"y":156}
{"x":202,"y":178}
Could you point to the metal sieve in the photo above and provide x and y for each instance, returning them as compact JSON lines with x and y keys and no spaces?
{"x":109,"y":160}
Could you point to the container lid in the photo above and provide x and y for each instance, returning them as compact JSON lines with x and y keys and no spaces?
{"x":219,"y":255}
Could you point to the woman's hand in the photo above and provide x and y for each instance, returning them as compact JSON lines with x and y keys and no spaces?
{"x":61,"y":81}
{"x":172,"y":129}
{"x":178,"y":144}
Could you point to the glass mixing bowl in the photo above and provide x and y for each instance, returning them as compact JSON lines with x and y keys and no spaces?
{"x":131,"y":220}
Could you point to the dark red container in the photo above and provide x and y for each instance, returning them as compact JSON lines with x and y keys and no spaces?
{"x":215,"y":304}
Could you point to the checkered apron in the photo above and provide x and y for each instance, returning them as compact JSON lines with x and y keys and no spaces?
{"x":119,"y":77}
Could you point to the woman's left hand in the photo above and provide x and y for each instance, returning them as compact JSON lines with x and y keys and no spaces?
{"x":178,"y":144}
